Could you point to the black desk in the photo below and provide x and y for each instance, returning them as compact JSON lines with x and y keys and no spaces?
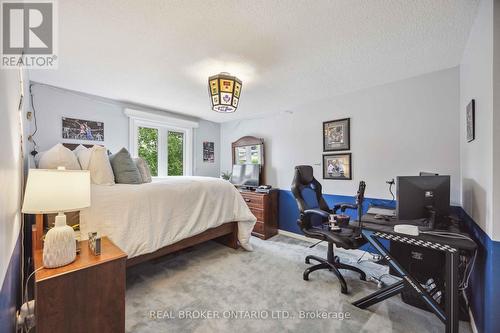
{"x":372,"y":232}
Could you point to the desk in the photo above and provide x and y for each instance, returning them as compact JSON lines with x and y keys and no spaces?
{"x":372,"y":232}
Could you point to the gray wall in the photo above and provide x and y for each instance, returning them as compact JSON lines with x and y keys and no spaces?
{"x":481,"y":156}
{"x":396,"y":129}
{"x":52,"y":103}
{"x":11,"y":177}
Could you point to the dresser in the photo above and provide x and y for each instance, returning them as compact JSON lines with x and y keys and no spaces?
{"x":87,"y":295}
{"x":265,"y":208}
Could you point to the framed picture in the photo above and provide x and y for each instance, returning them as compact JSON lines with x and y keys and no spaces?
{"x":471,"y":121}
{"x":208,"y":152}
{"x":79,"y":129}
{"x":337,"y":135}
{"x":337,"y":166}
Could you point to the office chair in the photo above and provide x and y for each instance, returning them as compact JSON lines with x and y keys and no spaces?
{"x":312,"y":223}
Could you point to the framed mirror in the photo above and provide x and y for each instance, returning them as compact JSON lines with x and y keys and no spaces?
{"x":249,"y":150}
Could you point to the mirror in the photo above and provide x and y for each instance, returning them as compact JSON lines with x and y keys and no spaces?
{"x":249,"y":150}
{"x":248,"y":154}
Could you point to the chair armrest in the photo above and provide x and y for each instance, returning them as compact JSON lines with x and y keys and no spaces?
{"x":318,"y":212}
{"x":344,"y":206}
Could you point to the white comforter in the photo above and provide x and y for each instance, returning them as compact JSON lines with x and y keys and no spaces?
{"x":143,"y":218}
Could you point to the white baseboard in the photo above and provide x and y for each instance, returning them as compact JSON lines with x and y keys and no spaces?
{"x":297,"y":236}
{"x":314,"y":240}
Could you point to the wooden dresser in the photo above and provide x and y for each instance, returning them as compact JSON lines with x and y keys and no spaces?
{"x":87,"y":295}
{"x":265,"y":208}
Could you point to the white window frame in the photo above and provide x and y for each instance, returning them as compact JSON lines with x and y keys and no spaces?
{"x":163,"y":124}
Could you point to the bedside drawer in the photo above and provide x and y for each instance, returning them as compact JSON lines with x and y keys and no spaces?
{"x":256,"y":201}
{"x":258,"y":213}
{"x":259,"y":228}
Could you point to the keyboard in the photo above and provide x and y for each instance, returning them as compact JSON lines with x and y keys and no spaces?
{"x":382,"y":211}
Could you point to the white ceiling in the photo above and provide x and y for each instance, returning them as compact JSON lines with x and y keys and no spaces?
{"x":287,"y":53}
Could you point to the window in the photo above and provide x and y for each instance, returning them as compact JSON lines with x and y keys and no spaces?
{"x":147,"y":147}
{"x":165,"y":147}
{"x":175,"y":153}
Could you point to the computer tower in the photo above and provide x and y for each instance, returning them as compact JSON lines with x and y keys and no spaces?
{"x":424,"y":265}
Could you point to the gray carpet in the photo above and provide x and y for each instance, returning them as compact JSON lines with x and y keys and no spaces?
{"x":261,"y":291}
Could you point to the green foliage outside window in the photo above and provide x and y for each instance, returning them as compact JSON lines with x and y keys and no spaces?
{"x":175,"y":154}
{"x":148,"y":147}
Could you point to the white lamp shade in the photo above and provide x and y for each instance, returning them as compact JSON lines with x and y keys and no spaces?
{"x":53,"y":191}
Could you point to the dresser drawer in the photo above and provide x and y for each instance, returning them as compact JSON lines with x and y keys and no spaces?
{"x":258,"y":213}
{"x":256,"y":201}
{"x":259,"y":228}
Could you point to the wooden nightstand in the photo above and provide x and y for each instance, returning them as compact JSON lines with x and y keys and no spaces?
{"x":265,"y":208}
{"x":87,"y":295}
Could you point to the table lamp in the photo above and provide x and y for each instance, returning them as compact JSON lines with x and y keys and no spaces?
{"x":57,"y":191}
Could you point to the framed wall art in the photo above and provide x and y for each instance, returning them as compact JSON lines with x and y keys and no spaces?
{"x":337,"y":166}
{"x":336,"y":135}
{"x":471,"y":121}
{"x":79,"y":129}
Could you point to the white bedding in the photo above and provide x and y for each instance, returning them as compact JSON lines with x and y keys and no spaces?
{"x":143,"y":218}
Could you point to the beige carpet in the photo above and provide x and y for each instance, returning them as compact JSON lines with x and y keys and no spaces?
{"x":212,"y":288}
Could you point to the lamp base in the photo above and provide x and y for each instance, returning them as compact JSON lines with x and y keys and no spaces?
{"x":59,"y":248}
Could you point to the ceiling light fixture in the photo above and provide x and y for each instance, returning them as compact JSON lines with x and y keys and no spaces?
{"x":224,"y":91}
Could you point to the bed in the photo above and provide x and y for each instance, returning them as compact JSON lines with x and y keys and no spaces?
{"x":154,"y":219}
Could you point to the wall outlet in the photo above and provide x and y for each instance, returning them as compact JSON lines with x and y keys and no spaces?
{"x":29,"y":115}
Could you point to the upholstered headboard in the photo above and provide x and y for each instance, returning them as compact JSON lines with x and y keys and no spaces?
{"x":72,"y":146}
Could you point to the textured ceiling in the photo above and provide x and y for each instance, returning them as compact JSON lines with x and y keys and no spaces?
{"x":287,"y":53}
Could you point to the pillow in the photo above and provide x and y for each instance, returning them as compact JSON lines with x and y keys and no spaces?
{"x":99,"y":166}
{"x":84,"y":154}
{"x":78,"y":149}
{"x":143,"y":168}
{"x":58,"y":156}
{"x":124,"y":168}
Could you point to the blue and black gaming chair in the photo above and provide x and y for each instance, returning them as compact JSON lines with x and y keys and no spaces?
{"x":314,"y":212}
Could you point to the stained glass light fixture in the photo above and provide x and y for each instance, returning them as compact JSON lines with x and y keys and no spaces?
{"x":224,"y":92}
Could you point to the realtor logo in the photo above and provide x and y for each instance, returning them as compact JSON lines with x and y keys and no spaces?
{"x":28,"y":34}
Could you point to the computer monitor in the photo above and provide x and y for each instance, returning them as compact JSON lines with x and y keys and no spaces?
{"x":245,"y":175}
{"x":415,"y":193}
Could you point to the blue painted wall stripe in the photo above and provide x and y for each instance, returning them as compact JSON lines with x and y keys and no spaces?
{"x":10,"y":292}
{"x":289,"y":213}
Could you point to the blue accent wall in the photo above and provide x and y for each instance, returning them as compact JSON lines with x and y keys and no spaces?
{"x":289,"y":212}
{"x":484,"y":286}
{"x":9,"y":294}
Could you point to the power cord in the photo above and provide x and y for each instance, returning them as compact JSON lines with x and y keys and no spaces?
{"x":31,"y":138}
{"x":447,"y":234}
{"x":391,"y":183}
{"x":26,"y":316}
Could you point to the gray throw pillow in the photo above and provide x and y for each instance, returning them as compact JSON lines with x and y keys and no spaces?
{"x":124,"y":168}
{"x":143,"y":168}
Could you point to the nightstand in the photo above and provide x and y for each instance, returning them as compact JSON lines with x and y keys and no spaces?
{"x":264,"y":207}
{"x":87,"y":295}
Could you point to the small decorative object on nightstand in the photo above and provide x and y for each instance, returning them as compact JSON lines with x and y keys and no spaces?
{"x":57,"y":191}
{"x":264,"y":207}
{"x":94,"y":243}
{"x":87,"y":295}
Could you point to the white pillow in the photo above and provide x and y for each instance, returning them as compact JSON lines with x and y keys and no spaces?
{"x":83,"y":154}
{"x":58,"y":156}
{"x":78,"y":149}
{"x":100,"y":169}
